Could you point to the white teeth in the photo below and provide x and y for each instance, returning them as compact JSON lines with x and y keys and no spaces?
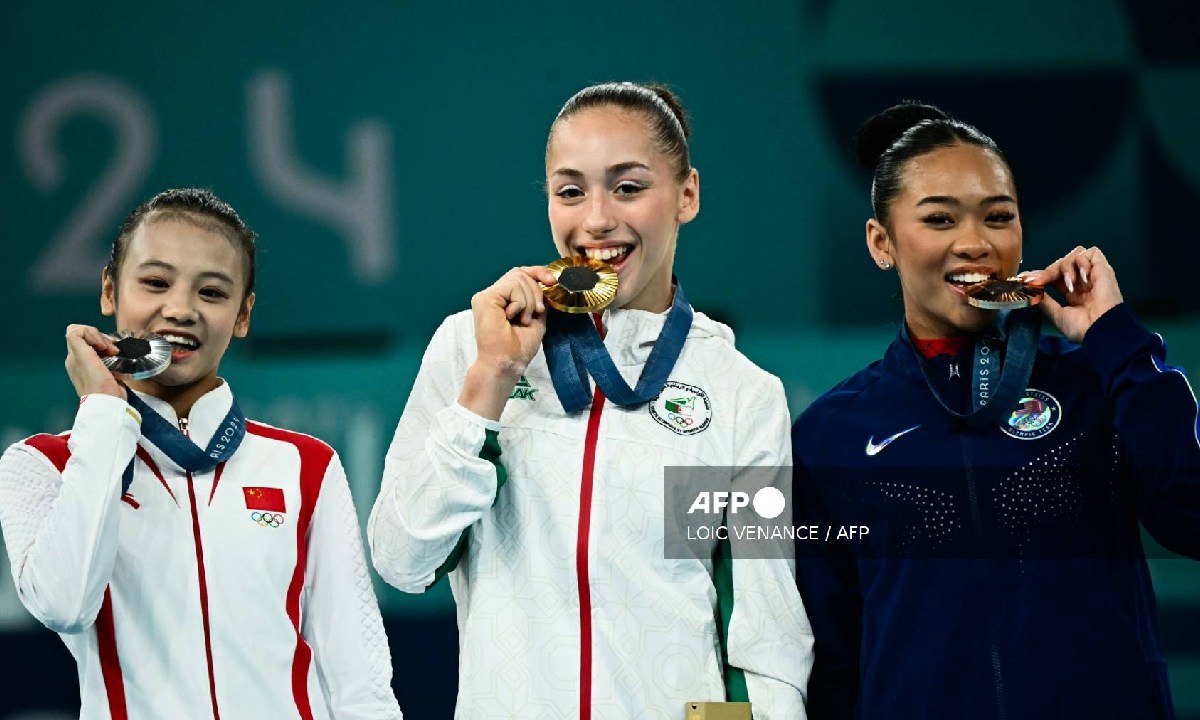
{"x":605,"y":254}
{"x":968,"y":278}
{"x":180,"y":340}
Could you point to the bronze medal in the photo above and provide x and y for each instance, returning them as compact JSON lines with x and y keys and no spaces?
{"x":1010,"y":294}
{"x":584,"y":285}
{"x":139,"y":356}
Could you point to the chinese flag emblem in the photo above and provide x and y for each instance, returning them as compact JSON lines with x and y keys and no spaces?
{"x":264,"y":498}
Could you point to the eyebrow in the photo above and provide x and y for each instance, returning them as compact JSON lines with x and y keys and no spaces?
{"x":614,"y":170}
{"x":947,"y":200}
{"x":625,"y":166}
{"x":214,"y":274}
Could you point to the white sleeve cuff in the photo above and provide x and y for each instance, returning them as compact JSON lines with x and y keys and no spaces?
{"x":477,"y":420}
{"x":102,"y":406}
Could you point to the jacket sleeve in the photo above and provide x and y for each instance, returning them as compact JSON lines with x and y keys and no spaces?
{"x":1157,"y":423}
{"x":60,"y":509}
{"x":768,"y":638}
{"x":442,"y":471}
{"x":341,"y":616}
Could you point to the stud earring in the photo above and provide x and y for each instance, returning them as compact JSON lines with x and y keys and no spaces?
{"x":884,"y":264}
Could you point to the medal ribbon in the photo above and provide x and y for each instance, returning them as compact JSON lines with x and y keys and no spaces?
{"x":995,"y":389}
{"x":179,"y":447}
{"x":574,"y":350}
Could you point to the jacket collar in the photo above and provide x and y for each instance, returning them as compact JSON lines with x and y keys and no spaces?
{"x":206,"y":415}
{"x":905,"y":360}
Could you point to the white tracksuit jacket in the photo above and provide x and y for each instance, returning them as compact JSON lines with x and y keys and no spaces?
{"x":570,"y":515}
{"x":175,"y":598}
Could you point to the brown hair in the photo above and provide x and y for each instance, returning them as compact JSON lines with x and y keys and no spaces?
{"x":656,"y":103}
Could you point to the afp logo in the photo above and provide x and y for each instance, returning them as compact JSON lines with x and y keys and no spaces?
{"x":768,"y":502}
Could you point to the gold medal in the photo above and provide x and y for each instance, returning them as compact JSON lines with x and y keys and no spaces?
{"x":1010,"y":294}
{"x":584,"y":285}
{"x":139,"y":356}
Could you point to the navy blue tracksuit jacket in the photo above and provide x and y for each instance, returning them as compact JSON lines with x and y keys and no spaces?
{"x":1003,"y":574}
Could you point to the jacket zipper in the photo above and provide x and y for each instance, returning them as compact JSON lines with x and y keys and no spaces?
{"x":977,"y":521}
{"x":208,"y":655}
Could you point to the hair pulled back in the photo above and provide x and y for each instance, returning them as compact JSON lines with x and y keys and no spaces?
{"x":888,"y":140}
{"x":661,"y":108}
{"x":197,"y":206}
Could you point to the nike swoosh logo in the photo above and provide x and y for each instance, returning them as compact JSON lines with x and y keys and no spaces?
{"x":874,"y":448}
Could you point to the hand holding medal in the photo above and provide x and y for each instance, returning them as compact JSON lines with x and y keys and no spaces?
{"x":1088,"y":284}
{"x":86,"y":349}
{"x":94,"y":359}
{"x":510,"y":320}
{"x":510,"y":315}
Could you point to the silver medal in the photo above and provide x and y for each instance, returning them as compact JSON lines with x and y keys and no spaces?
{"x":139,"y":356}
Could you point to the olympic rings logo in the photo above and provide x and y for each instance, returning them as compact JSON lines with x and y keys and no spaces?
{"x":681,"y":421}
{"x":266,"y":519}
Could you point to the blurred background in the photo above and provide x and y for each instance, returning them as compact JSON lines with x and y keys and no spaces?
{"x":390,"y":156}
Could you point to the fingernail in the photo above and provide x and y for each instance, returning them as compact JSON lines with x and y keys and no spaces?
{"x":1070,"y":285}
{"x":1083,"y":273}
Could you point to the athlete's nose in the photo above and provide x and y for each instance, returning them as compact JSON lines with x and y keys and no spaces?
{"x":600,"y":218}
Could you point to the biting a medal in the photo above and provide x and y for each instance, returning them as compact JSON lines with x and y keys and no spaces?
{"x":1010,"y":294}
{"x":584,"y":285}
{"x":139,"y":356}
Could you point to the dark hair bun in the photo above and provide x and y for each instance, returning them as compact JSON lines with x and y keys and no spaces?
{"x":881,"y":131}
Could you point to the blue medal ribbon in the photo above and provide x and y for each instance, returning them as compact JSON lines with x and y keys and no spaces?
{"x":996,"y":388}
{"x":179,"y":447}
{"x":574,"y":349}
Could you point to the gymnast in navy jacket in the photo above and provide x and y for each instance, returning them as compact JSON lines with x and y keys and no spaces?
{"x":1003,"y":472}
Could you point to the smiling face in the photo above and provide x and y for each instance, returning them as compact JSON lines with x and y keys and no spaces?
{"x":186,"y":283}
{"x":954,"y":223}
{"x":614,"y":197}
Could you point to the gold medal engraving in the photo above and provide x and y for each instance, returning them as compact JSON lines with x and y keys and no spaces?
{"x":584,"y":285}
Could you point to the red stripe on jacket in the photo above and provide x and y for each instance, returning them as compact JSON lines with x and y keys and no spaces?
{"x":315,"y":457}
{"x":144,"y":454}
{"x":582,"y":549}
{"x":53,"y":447}
{"x":202,"y":578}
{"x":110,"y":661}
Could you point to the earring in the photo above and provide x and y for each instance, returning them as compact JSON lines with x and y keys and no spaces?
{"x":884,"y":264}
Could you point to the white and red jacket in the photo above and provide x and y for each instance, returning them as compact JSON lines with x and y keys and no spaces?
{"x":240,"y":592}
{"x":553,"y":527}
